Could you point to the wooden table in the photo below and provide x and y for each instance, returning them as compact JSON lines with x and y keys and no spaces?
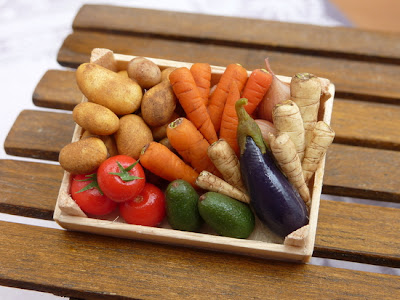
{"x":363,"y":163}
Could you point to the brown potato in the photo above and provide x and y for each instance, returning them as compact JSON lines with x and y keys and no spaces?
{"x":83,"y":156}
{"x":160,"y":132}
{"x":165,"y":73}
{"x":108,"y":140}
{"x":144,"y":71}
{"x":102,"y":86}
{"x":158,"y":104}
{"x":95,"y":118}
{"x":132,"y":135}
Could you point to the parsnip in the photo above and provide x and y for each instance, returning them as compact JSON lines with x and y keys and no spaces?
{"x":210,"y":182}
{"x":225,"y":160}
{"x":285,"y":154}
{"x":322,"y":138}
{"x":287,"y":119}
{"x":305,"y":91}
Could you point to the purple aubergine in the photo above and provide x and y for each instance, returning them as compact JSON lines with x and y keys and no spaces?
{"x":274,"y":199}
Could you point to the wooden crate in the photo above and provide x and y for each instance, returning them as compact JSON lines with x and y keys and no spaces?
{"x":298,"y":246}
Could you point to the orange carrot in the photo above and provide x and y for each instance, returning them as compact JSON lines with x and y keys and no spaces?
{"x":216,"y":103}
{"x":161,"y":161}
{"x":192,"y":103}
{"x":256,"y":87}
{"x":190,"y":144}
{"x":202,"y":76}
{"x":229,"y":121}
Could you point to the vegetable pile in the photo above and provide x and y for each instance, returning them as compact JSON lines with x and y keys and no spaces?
{"x":164,"y":145}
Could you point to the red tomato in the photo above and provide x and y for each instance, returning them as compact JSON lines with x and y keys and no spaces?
{"x":121,"y":178}
{"x":148,"y":208}
{"x":85,"y":192}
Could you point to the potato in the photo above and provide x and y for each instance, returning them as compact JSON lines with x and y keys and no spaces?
{"x":108,"y":140}
{"x":165,"y":73}
{"x":133,"y":134}
{"x":95,"y":118}
{"x":158,"y":104}
{"x":160,"y":132}
{"x":144,"y":71}
{"x":83,"y":156}
{"x":102,"y":86}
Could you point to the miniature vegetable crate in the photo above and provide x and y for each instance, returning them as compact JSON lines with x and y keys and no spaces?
{"x":298,"y":246}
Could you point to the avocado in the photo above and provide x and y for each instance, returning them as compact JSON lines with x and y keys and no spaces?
{"x":227,"y":216}
{"x":182,"y":210}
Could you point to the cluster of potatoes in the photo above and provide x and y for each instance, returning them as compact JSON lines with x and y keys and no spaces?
{"x":125,"y":111}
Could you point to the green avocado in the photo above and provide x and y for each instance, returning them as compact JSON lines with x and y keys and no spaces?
{"x":182,"y":210}
{"x":227,"y":216}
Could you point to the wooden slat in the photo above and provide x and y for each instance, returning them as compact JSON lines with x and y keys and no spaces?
{"x":350,"y":171}
{"x":353,"y":79}
{"x":355,"y":122}
{"x":57,"y":89}
{"x":39,"y":134}
{"x":345,"y":231}
{"x":240,"y":32}
{"x":115,"y":268}
{"x":29,"y":189}
{"x":362,"y":173}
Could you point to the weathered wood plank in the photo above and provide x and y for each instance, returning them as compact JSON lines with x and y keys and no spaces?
{"x":353,"y":79}
{"x":240,"y":32}
{"x":349,"y":170}
{"x":29,"y":189}
{"x":357,"y":123}
{"x":362,"y":173}
{"x":345,"y":231}
{"x":358,"y":232}
{"x":57,"y":89}
{"x":39,"y":134}
{"x":115,"y":268}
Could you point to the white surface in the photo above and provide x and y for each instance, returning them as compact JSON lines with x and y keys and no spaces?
{"x":33,"y":31}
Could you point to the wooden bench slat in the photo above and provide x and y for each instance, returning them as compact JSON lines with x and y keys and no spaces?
{"x":362,"y":173}
{"x":355,"y":122}
{"x":33,"y":130}
{"x":345,"y":231}
{"x":111,"y":267}
{"x":353,"y":79}
{"x":57,"y":89}
{"x":348,"y":172}
{"x":241,"y":32}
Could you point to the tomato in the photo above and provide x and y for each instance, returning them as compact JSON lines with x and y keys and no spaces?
{"x":148,"y":208}
{"x":121,"y":178}
{"x":85,"y":192}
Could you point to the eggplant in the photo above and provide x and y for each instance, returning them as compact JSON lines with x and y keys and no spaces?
{"x":274,"y":199}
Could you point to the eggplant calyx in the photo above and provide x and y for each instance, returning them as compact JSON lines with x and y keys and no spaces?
{"x":248,"y":127}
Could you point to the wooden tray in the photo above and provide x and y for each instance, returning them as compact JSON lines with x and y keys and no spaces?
{"x":298,"y":246}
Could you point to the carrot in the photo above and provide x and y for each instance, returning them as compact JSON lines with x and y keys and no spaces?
{"x":202,"y":76}
{"x":190,"y":144}
{"x":216,"y":103}
{"x":255,"y":89}
{"x":162,"y":162}
{"x":229,"y":121}
{"x":191,"y":101}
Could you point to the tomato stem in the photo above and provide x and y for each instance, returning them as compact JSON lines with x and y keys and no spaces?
{"x":93,"y":183}
{"x":124,"y":172}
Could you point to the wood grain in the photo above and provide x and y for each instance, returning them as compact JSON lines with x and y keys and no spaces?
{"x":348,"y":172}
{"x":240,"y":32}
{"x":345,"y":231}
{"x":115,"y":268}
{"x":29,"y":189}
{"x":355,"y":122}
{"x":57,"y":89}
{"x":39,"y":134}
{"x":353,"y":79}
{"x":362,"y":173}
